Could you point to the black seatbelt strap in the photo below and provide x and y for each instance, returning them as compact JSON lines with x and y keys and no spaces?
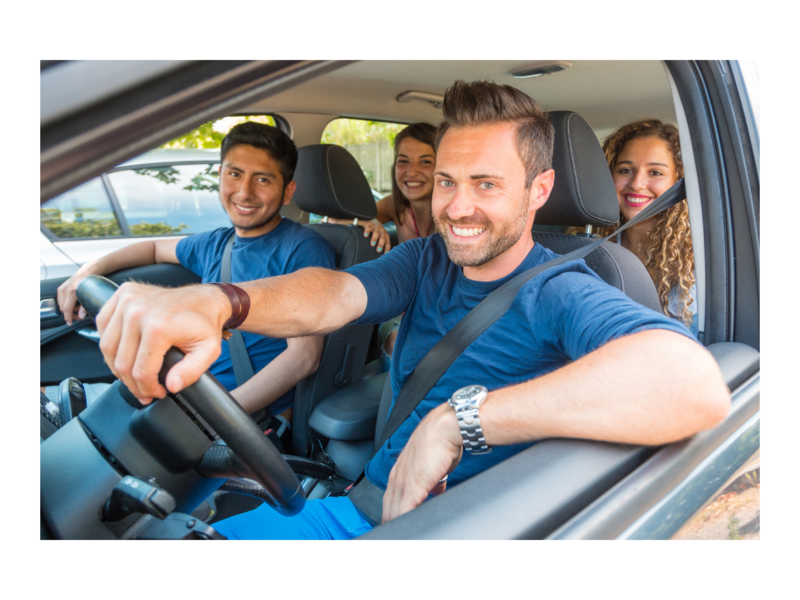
{"x":242,"y":367}
{"x":436,"y":362}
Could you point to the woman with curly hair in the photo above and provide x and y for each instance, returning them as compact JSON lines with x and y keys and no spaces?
{"x":645,"y":161}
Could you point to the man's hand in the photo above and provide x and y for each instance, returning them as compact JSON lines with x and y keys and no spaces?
{"x":433,"y":451}
{"x":66,"y":297}
{"x":141,"y":322}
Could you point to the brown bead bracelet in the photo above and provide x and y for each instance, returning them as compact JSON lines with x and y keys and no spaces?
{"x":240,"y":304}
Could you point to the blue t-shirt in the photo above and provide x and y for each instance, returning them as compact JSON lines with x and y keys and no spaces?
{"x":285,"y":249}
{"x":557,"y":317}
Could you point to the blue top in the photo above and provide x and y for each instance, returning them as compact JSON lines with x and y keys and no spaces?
{"x":285,"y":249}
{"x":557,"y":317}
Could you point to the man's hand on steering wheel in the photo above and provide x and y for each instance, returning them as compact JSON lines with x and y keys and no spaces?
{"x":141,"y":322}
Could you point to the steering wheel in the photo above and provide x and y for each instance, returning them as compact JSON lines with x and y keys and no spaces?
{"x":225,"y":416}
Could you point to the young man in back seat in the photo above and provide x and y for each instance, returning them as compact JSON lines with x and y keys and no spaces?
{"x":572,"y":356}
{"x":255,"y":181}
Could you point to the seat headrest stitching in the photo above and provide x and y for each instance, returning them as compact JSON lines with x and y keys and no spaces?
{"x":329,"y":177}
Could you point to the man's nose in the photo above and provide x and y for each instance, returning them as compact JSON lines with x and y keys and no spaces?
{"x":245,"y":188}
{"x":461,"y":206}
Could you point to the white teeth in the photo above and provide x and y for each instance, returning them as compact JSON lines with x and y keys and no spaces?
{"x":633,"y":200}
{"x":243,"y":209}
{"x":468,"y":232}
{"x":413,"y":183}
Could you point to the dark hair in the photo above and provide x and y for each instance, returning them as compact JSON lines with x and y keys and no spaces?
{"x":467,"y":104}
{"x":279,"y":145}
{"x":422,"y":132}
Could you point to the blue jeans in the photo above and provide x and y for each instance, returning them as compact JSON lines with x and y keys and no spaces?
{"x":332,"y":518}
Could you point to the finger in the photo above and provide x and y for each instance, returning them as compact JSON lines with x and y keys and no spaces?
{"x":149,"y":357}
{"x":81,"y":312}
{"x":104,"y":316}
{"x":67,"y":304}
{"x":126,"y":353}
{"x":109,"y":326}
{"x":196,"y":362}
{"x":439,"y":488}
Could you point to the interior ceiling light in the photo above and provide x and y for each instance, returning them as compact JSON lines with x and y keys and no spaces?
{"x":541,"y":68}
{"x":434,"y":99}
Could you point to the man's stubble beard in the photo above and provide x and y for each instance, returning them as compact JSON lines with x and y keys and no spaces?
{"x":508,"y":235}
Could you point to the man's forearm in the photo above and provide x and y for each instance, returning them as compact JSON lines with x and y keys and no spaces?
{"x":143,"y":253}
{"x":300,"y":359}
{"x":308,"y":302}
{"x":652,"y":387}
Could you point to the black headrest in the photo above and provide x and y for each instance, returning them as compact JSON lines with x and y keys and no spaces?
{"x":331,"y":183}
{"x":584,"y":192}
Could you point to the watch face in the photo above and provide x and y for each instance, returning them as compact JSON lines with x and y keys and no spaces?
{"x":469,"y":393}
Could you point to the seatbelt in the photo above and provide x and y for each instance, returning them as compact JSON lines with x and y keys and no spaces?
{"x":436,"y":362}
{"x":242,"y":367}
{"x":240,"y":358}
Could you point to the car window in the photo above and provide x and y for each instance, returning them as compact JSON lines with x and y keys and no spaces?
{"x":82,"y":212}
{"x":371,"y":143}
{"x":170,"y":199}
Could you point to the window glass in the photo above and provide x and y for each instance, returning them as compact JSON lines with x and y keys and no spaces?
{"x":170,"y":199}
{"x":84,"y":211}
{"x":372,"y":145}
{"x":210,"y":135}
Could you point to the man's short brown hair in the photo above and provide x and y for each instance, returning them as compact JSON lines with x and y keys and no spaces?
{"x":469,"y":104}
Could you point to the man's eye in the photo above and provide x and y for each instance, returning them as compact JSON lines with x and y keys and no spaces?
{"x":486,"y":185}
{"x":445,"y":183}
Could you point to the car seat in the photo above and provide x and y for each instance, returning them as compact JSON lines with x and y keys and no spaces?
{"x":331,"y":183}
{"x":584,"y":194}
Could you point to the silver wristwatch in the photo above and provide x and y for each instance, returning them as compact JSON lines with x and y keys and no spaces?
{"x":467,"y":402}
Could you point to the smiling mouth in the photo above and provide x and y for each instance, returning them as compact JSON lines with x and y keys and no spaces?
{"x":244,"y":210}
{"x":637,"y":200}
{"x":467,"y":232}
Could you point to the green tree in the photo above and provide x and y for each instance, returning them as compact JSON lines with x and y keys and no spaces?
{"x":210,"y":135}
{"x":160,"y":228}
{"x":351,"y":132}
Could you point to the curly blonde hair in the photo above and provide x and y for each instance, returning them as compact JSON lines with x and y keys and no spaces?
{"x":666,"y":250}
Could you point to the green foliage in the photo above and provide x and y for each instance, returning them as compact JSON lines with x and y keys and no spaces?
{"x":160,"y":228}
{"x":733,"y":528}
{"x":164,"y":174}
{"x":351,"y":132}
{"x":207,"y":181}
{"x":81,"y":227}
{"x":210,"y":135}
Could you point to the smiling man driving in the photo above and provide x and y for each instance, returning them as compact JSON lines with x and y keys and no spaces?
{"x":572,"y":357}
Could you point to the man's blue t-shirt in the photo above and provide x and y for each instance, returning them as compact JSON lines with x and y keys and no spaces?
{"x":285,"y":249}
{"x":557,"y":317}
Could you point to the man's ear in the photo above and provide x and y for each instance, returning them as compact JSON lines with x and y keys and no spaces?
{"x":289,"y":192}
{"x":541,"y":187}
